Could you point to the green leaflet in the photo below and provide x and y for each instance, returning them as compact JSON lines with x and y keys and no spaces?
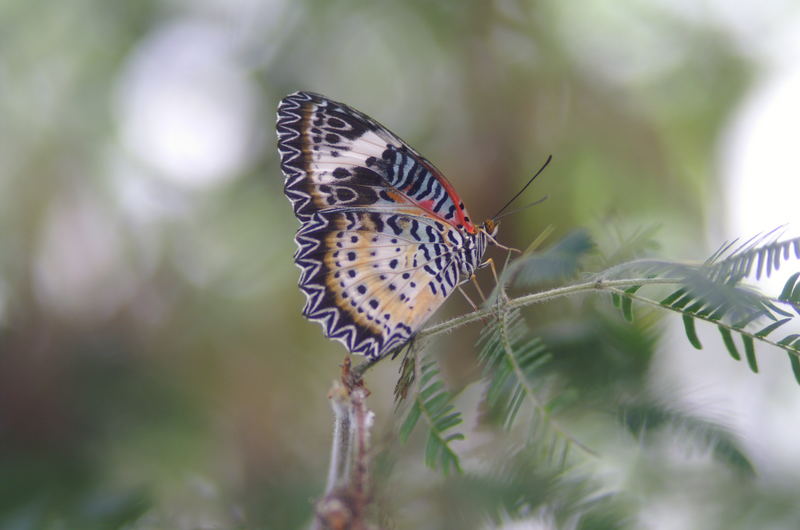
{"x":772,"y":327}
{"x":727,"y":339}
{"x":433,"y":403}
{"x":691,"y":334}
{"x":627,"y":303}
{"x":750,"y":353}
{"x":795,"y":362}
{"x":514,"y":363}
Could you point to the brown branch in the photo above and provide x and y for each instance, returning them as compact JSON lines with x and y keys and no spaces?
{"x":347,"y":493}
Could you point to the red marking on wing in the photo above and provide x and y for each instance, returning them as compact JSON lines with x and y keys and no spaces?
{"x":400,"y":197}
{"x":461,"y":216}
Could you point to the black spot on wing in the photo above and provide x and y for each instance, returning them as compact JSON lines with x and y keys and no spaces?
{"x":345,"y":194}
{"x":356,"y":125}
{"x":336,"y":123}
{"x":367,"y":177}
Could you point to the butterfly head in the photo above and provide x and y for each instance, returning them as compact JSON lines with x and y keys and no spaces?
{"x":490,"y":227}
{"x":484,"y":236}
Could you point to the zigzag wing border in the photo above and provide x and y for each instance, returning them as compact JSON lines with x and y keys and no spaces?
{"x":335,"y":322}
{"x":290,"y":147}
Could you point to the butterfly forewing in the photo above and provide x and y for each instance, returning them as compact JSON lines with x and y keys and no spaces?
{"x":382,"y":231}
{"x":335,"y":155}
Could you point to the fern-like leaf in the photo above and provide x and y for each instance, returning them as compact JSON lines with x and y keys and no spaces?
{"x":520,"y":484}
{"x":513,"y":362}
{"x":559,"y":262}
{"x":790,"y":294}
{"x":647,"y":419}
{"x":766,"y":258}
{"x":713,"y":292}
{"x":433,"y":403}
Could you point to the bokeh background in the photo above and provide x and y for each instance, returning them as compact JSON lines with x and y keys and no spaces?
{"x":155,"y":371}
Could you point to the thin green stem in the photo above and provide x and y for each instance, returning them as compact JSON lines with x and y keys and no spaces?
{"x":542,"y":296}
{"x":523,"y":301}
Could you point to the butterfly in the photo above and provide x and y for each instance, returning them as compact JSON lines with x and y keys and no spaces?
{"x":384,"y":237}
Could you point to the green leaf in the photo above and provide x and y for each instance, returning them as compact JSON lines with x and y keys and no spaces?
{"x":410,"y":422}
{"x":513,"y":360}
{"x":645,"y":419}
{"x":615,"y":299}
{"x":627,"y":303}
{"x":727,"y":339}
{"x":695,"y":307}
{"x":750,"y":352}
{"x":560,"y":261}
{"x":718,"y":313}
{"x":674,"y":296}
{"x":772,"y":327}
{"x":627,"y":309}
{"x":747,"y":319}
{"x":739,"y":263}
{"x":788,"y":339}
{"x":760,"y":266}
{"x":433,"y":403}
{"x":691,"y":334}
{"x":795,"y":366}
{"x":788,"y":287}
{"x":680,"y":303}
{"x":776,"y":309}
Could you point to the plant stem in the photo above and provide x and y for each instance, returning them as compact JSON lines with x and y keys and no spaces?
{"x":347,"y":491}
{"x":523,"y":301}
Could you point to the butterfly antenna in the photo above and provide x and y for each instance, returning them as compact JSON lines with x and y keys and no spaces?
{"x":549,"y":158}
{"x":534,"y":203}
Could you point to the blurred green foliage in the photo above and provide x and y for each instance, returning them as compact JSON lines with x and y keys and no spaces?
{"x":155,"y":371}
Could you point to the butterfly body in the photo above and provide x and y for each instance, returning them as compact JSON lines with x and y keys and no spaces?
{"x":384,"y":238}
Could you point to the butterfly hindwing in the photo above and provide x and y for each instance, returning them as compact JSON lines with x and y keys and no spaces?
{"x":373,"y":278}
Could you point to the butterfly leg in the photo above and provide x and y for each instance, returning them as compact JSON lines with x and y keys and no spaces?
{"x":474,"y":280}
{"x":501,"y":288}
{"x":469,"y":300}
{"x":474,"y":307}
{"x":490,"y":263}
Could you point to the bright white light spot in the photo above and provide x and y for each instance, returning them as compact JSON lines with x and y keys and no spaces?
{"x":185,"y":107}
{"x":760,"y":159}
{"x":761,"y":169}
